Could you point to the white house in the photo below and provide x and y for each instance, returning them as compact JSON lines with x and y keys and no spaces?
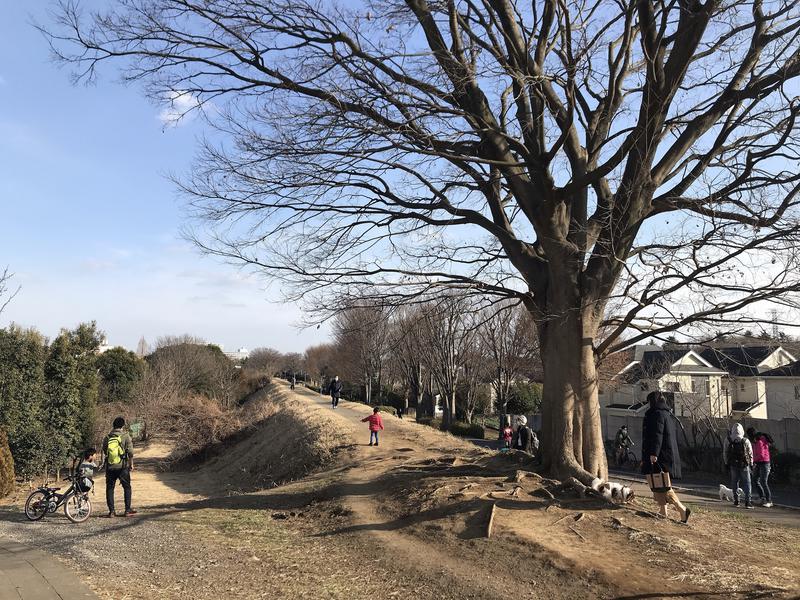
{"x":783,"y":391}
{"x":760,"y":382}
{"x":693,"y":384}
{"x":746,"y":385}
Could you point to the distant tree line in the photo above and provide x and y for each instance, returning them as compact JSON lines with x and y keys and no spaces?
{"x":476,"y":359}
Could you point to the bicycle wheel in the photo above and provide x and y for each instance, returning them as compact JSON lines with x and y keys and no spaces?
{"x":78,"y":508}
{"x":36,"y":505}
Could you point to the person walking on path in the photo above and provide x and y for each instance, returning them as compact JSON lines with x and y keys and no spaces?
{"x":375,"y":425}
{"x":737,"y":454}
{"x":293,"y":382}
{"x":335,"y":391}
{"x":660,"y":452}
{"x":118,"y":458}
{"x":762,"y":464}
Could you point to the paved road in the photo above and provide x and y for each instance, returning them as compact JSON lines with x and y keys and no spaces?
{"x":782,"y":497}
{"x":28,"y":574}
{"x":705,"y":495}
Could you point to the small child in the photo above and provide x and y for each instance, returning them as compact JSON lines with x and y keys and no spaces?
{"x":508,"y":435}
{"x":375,"y":425}
{"x":86,"y":470}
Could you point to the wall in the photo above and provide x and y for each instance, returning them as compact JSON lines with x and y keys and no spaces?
{"x":781,"y":401}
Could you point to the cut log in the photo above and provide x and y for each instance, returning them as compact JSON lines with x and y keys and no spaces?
{"x":576,"y":532}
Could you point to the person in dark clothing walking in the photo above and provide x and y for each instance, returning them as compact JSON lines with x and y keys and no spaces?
{"x":660,"y":451}
{"x":118,"y":458}
{"x":335,"y":391}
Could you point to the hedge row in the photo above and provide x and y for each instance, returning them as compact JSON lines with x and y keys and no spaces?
{"x":458,"y":428}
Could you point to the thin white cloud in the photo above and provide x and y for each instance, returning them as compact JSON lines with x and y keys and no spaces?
{"x":181,"y":108}
{"x":2,"y":80}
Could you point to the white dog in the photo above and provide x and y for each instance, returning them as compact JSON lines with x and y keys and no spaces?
{"x":613,"y":492}
{"x":726,"y":493}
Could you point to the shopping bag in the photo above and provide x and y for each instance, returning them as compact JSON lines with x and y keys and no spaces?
{"x":659,"y":481}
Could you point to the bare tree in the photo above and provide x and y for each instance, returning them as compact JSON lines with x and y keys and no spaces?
{"x":361,"y":334}
{"x":564,"y":154}
{"x":476,"y":371}
{"x":508,"y":334}
{"x":446,"y":337}
{"x":404,"y":340}
{"x":292,"y":363}
{"x":6,"y":295}
{"x":268,"y":360}
{"x":320,"y":362}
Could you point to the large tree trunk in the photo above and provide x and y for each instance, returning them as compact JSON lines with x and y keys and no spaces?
{"x":572,"y":440}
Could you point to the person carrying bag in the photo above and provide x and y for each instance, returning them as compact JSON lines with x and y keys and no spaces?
{"x":660,"y":458}
{"x":658,"y":481}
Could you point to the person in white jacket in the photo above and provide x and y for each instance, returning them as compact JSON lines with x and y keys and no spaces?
{"x":737,"y":454}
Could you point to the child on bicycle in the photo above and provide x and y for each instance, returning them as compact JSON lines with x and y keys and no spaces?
{"x":86,"y":470}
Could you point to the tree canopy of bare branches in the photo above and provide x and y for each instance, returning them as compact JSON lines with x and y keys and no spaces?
{"x":575,"y":156}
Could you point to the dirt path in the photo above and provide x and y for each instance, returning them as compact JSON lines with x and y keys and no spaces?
{"x":404,"y":520}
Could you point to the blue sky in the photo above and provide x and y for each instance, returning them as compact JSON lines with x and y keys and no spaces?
{"x":90,"y":225}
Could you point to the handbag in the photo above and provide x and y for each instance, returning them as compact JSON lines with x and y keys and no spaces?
{"x":659,"y":482}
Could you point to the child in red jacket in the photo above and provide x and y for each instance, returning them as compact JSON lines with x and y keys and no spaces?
{"x":375,"y":424}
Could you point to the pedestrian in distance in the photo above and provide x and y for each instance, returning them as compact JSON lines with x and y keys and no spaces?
{"x":660,"y":459}
{"x":335,"y":390}
{"x":737,"y":454}
{"x":293,"y":382}
{"x":762,"y":464}
{"x":375,"y":425}
{"x":118,"y":458}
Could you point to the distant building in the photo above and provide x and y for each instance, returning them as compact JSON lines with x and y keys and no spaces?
{"x":238,"y":356}
{"x":142,"y":348}
{"x":104,"y":346}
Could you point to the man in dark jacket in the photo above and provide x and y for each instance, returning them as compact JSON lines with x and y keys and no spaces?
{"x":660,"y":450}
{"x":336,"y":391}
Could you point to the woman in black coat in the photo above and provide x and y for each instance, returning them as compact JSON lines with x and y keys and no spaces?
{"x":660,"y":451}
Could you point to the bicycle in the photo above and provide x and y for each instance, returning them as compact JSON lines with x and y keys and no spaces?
{"x":44,"y":500}
{"x":627,"y":458}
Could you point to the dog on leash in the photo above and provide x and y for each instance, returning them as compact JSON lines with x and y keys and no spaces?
{"x":726,"y":493}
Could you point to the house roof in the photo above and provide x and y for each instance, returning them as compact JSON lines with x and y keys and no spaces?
{"x":790,"y":370}
{"x":657,"y":363}
{"x":739,"y":361}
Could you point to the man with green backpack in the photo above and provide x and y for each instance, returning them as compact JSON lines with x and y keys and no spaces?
{"x":118,"y":455}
